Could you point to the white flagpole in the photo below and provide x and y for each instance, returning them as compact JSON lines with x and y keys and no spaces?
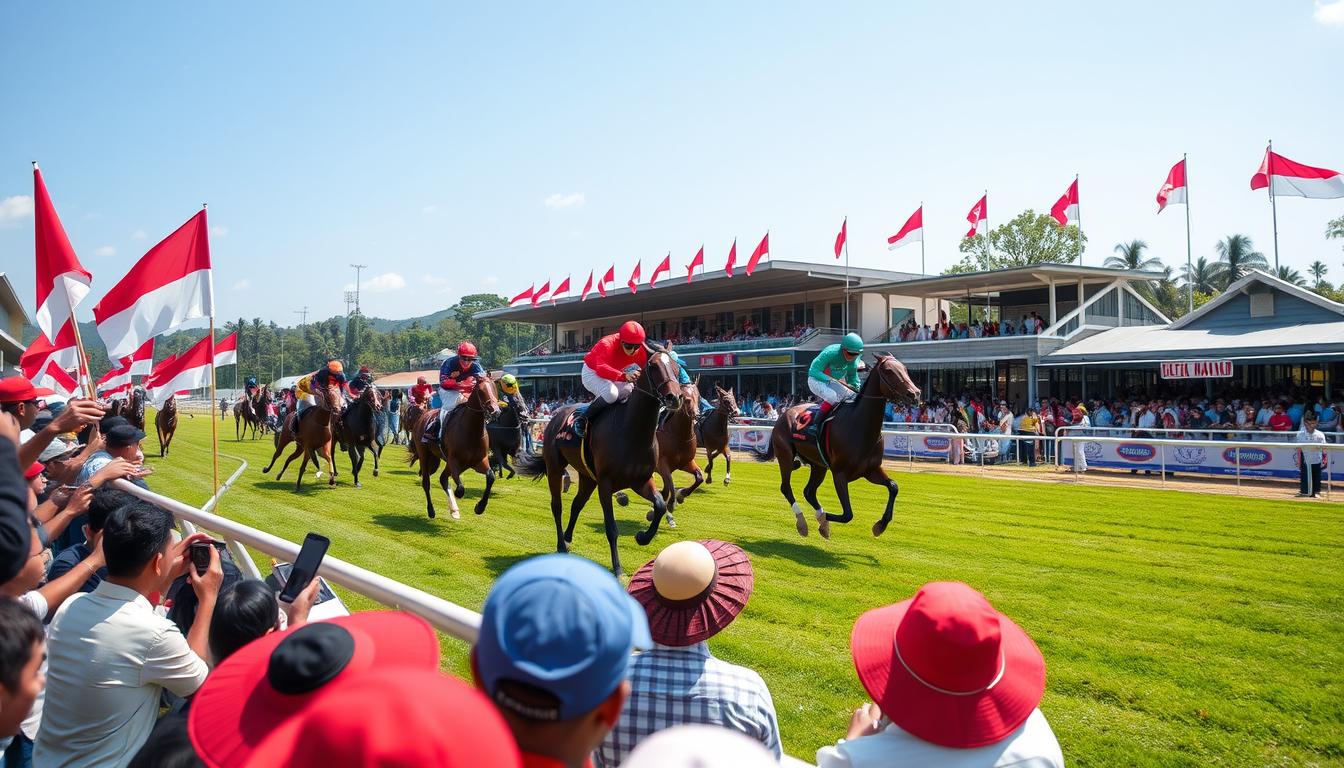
{"x":1273,"y":206}
{"x":1189,"y":264}
{"x":214,"y":425}
{"x":1081,"y":243}
{"x":845,"y":228}
{"x":923,"y":270}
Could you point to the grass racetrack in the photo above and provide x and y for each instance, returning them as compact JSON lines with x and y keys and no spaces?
{"x":1177,"y":628}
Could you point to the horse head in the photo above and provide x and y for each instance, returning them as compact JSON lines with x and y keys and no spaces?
{"x":690,"y":399}
{"x":485,"y":399}
{"x":894,"y":381}
{"x":661,"y":376}
{"x":727,"y":402}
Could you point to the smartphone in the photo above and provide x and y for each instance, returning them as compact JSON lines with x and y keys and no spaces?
{"x":305,"y":566}
{"x":200,"y":556}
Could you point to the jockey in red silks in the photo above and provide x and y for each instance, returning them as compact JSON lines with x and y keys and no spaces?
{"x":608,"y":371}
{"x":457,"y":378}
{"x":421,"y":392}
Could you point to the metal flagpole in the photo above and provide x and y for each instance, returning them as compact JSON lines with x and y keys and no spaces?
{"x":1081,"y":243}
{"x":989,"y":246}
{"x":1189,"y":265}
{"x":1273,"y":206}
{"x":844,"y":226}
{"x":923,"y":270}
{"x":214,"y":425}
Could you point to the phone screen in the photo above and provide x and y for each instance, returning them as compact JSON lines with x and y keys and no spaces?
{"x":200,"y":556}
{"x":305,"y":566}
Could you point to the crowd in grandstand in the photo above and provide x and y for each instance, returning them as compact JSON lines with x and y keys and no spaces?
{"x":910,"y":330}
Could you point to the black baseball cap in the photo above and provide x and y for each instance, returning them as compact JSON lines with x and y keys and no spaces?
{"x":124,"y":435}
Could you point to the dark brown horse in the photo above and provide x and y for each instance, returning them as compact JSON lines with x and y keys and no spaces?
{"x":712,"y":433}
{"x":315,"y":440}
{"x":623,"y":454}
{"x":506,"y":435}
{"x":852,"y":446}
{"x":245,"y":415}
{"x":410,"y":414}
{"x":360,"y":433}
{"x":676,"y":451}
{"x":165,"y":423}
{"x":132,"y":408}
{"x":462,"y":445}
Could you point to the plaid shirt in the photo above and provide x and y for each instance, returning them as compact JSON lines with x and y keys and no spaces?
{"x":685,"y":686}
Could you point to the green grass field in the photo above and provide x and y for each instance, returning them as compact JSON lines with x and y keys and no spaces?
{"x":1177,"y":628}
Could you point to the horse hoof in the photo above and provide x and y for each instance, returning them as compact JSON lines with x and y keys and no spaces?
{"x":480,"y":507}
{"x":459,"y":491}
{"x":318,"y":476}
{"x":801,"y":523}
{"x":879,"y":528}
{"x":643,"y":538}
{"x":358,"y":484}
{"x":431,"y":513}
{"x":682,"y":494}
{"x":455,"y":515}
{"x":375,"y":473}
{"x":797,"y":463}
{"x":623,"y":500}
{"x":823,"y":525}
{"x":264,"y":470}
{"x":671,"y":521}
{"x":727,"y":479}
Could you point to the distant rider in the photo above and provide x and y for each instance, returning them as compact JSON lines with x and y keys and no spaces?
{"x":457,"y":378}
{"x":610,"y":369}
{"x":421,"y":392}
{"x":322,"y":388}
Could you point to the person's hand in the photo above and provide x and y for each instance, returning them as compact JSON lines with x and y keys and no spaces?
{"x":179,"y":555}
{"x":96,"y":441}
{"x":76,"y":415}
{"x":9,"y":428}
{"x":866,"y":721}
{"x":206,"y":585}
{"x":296,"y":612}
{"x":60,"y":497}
{"x":79,"y":500}
{"x":96,"y":558}
{"x":117,"y":469}
{"x":630,"y":376}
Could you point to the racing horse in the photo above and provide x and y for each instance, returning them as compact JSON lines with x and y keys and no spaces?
{"x":849,"y":446}
{"x":676,"y":451}
{"x":462,"y":445}
{"x":410,"y":414}
{"x":360,"y":431}
{"x":165,"y":423}
{"x":505,"y":435}
{"x":132,"y":408}
{"x":314,"y":441}
{"x":619,"y":452}
{"x":712,"y":433}
{"x":246,"y":414}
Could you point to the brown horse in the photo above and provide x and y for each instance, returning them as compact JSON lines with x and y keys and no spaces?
{"x":165,"y":423}
{"x":712,"y":433}
{"x":132,"y":408}
{"x":462,"y":445}
{"x":315,"y":440}
{"x":245,"y":415}
{"x":852,"y":443}
{"x":410,"y":414}
{"x":621,"y":453}
{"x":676,"y":451}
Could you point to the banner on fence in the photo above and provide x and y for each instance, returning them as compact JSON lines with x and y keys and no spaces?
{"x":1269,"y":460}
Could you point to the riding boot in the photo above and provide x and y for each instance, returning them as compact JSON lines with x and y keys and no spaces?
{"x":432,"y":428}
{"x":584,"y":419}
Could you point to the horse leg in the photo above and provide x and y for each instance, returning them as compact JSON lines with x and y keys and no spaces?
{"x":554,"y":482}
{"x":694,"y":470}
{"x":841,"y":482}
{"x":377,"y":450}
{"x":609,"y":524}
{"x":484,"y":468}
{"x":298,"y":482}
{"x":356,"y":461}
{"x":329,"y":454}
{"x":728,"y":470}
{"x":878,"y":476}
{"x":810,"y":493}
{"x":709,"y":468}
{"x":448,"y":470}
{"x":786,"y":488}
{"x":650,"y":492}
{"x":427,"y":467}
{"x":581,"y":496}
{"x":237,"y":434}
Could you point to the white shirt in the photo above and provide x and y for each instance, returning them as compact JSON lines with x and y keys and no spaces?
{"x":1311,"y":455}
{"x":1147,"y":420}
{"x":109,"y":658}
{"x":1032,"y":745}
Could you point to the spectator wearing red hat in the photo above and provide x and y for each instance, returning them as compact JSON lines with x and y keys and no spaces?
{"x":956,"y":683}
{"x":690,"y":592}
{"x":357,"y":690}
{"x":20,"y":399}
{"x":552,"y":653}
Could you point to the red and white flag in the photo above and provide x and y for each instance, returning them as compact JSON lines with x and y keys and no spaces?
{"x":524,"y":296}
{"x":588,"y":286}
{"x":698,"y":261}
{"x":226,"y":350}
{"x":633,"y":282}
{"x":732,"y":259}
{"x":912,"y":232}
{"x":1173,"y":189}
{"x":56,"y":378}
{"x":608,"y":279}
{"x":159,"y":368}
{"x":541,"y":292}
{"x":43,"y":353}
{"x":1285,"y":177}
{"x":189,"y":370}
{"x":665,"y":267}
{"x":840,"y":238}
{"x":167,"y":287}
{"x":114,"y":382}
{"x":62,"y":282}
{"x":762,"y":249}
{"x":979,"y":213}
{"x":1066,"y":207}
{"x":140,"y":362}
{"x":563,"y":287}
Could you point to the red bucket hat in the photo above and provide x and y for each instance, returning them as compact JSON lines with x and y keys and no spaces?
{"x":253,"y":708}
{"x":948,"y":668}
{"x":17,"y":389}
{"x":692,"y":590}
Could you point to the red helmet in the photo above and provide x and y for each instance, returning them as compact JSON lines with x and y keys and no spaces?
{"x":632,"y":333}
{"x":466,"y":349}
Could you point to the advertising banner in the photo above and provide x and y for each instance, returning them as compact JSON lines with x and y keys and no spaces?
{"x":1268,"y":460}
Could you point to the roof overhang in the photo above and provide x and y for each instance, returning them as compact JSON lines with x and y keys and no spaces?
{"x":997,"y":281}
{"x":11,"y":300}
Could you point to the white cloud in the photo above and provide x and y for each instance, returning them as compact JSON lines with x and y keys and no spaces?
{"x":219,"y":232}
{"x":574,"y":199}
{"x":431,"y":208}
{"x":1329,"y":13}
{"x":242,"y":285}
{"x":439,"y":284}
{"x":384,"y":283}
{"x":105,"y":251}
{"x":14,"y":209}
{"x":139,"y":234}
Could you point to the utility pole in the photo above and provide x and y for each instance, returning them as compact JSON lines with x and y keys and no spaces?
{"x":303,"y":321}
{"x":358,"y":269}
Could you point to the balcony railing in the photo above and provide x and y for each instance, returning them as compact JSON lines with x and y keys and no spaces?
{"x":759,"y":342}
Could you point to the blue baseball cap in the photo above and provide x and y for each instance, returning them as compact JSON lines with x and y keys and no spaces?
{"x":561,"y":624}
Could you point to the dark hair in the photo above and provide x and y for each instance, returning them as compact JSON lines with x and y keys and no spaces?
{"x":169,"y":746}
{"x":133,"y":535}
{"x":186,"y":601}
{"x":106,"y":500}
{"x":19,"y":632}
{"x":244,"y":612}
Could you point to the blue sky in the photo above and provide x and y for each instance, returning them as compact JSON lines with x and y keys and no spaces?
{"x":425,"y":139}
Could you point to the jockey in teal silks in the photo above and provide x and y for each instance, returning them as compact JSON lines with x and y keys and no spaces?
{"x":834,"y":375}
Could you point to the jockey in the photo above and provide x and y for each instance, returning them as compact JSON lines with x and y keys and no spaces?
{"x":508,"y":384}
{"x":316,"y":389}
{"x":250,"y":387}
{"x":457,"y":378}
{"x":420,"y":392}
{"x":361,"y":381}
{"x":834,"y":374}
{"x":608,"y":371}
{"x":684,"y":378}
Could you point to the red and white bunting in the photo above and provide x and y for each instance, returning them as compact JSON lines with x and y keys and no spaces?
{"x":43,"y":352}
{"x":541,"y":292}
{"x":524,"y":296}
{"x":141,"y":362}
{"x":562,"y":288}
{"x":183,"y":373}
{"x":226,"y":350}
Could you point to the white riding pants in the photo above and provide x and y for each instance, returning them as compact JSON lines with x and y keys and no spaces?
{"x":831,"y":391}
{"x":448,"y":400}
{"x":610,"y":391}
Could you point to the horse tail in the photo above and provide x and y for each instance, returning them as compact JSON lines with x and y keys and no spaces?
{"x":412,"y":455}
{"x":532,"y":465}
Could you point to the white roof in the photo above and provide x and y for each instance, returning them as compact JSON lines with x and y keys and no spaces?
{"x":1141,"y":342}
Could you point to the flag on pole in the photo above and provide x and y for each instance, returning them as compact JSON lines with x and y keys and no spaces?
{"x":62,"y":282}
{"x":114,"y":382}
{"x":140,"y":362}
{"x":1066,"y":207}
{"x":189,"y":370}
{"x":732,"y":259}
{"x":524,"y":296}
{"x":698,"y":261}
{"x":43,"y":353}
{"x":1294,"y":179}
{"x":665,"y":267}
{"x":563,"y":287}
{"x":159,"y":368}
{"x":541,"y":292}
{"x":912,"y":232}
{"x":608,"y":279}
{"x":167,"y":287}
{"x":588,"y":286}
{"x":56,"y":378}
{"x":762,"y":249}
{"x":633,"y":282}
{"x":226,"y":350}
{"x":1173,"y":189}
{"x":840,"y":238}
{"x":979,"y":212}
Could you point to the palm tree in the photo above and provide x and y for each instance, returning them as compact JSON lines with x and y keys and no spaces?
{"x":1318,"y":270}
{"x":1204,"y":276}
{"x":1131,"y":257}
{"x":1289,"y":275}
{"x":1238,"y":257}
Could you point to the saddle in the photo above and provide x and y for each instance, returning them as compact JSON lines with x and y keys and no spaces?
{"x":566,"y":437}
{"x":808,"y":423}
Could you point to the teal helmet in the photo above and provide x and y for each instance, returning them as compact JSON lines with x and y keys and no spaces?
{"x":852,"y":343}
